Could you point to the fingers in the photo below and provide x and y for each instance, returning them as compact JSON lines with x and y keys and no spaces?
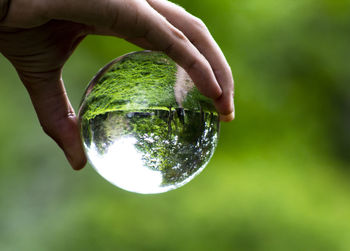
{"x":159,"y":25}
{"x":55,"y":114}
{"x":165,"y":37}
{"x":195,"y":30}
{"x":186,"y":40}
{"x":144,"y":26}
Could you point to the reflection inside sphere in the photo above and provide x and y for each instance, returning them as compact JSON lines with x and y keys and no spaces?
{"x":145,"y":127}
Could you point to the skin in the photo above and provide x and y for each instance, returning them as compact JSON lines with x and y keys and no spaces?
{"x":38,"y":36}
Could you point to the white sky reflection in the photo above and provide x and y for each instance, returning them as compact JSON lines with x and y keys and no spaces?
{"x":122,"y":165}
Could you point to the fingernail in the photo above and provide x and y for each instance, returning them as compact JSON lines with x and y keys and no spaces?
{"x":227,"y":117}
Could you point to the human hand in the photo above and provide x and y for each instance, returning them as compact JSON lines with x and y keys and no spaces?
{"x":38,"y":36}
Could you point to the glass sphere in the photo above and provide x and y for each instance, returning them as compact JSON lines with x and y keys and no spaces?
{"x":145,"y":127}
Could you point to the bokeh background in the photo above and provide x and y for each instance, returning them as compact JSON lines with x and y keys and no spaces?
{"x":279,"y":179}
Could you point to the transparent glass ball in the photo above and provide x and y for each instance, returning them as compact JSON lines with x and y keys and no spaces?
{"x":144,"y":126}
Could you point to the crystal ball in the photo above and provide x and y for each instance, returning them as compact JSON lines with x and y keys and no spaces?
{"x":144,"y":125}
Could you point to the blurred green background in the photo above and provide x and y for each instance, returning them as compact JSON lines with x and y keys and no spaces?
{"x":279,"y":179}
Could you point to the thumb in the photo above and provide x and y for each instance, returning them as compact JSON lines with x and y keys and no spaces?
{"x":56,"y":114}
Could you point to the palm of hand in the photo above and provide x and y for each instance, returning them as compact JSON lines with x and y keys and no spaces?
{"x":39,"y":53}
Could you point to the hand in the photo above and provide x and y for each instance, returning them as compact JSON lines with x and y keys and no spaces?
{"x":38,"y":36}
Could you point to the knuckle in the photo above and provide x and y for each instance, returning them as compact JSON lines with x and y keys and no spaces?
{"x":224,"y":75}
{"x":198,"y":23}
{"x":33,"y":79}
{"x":169,"y":49}
{"x":192,"y":65}
{"x":129,"y":20}
{"x":179,"y":35}
{"x":58,"y":129}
